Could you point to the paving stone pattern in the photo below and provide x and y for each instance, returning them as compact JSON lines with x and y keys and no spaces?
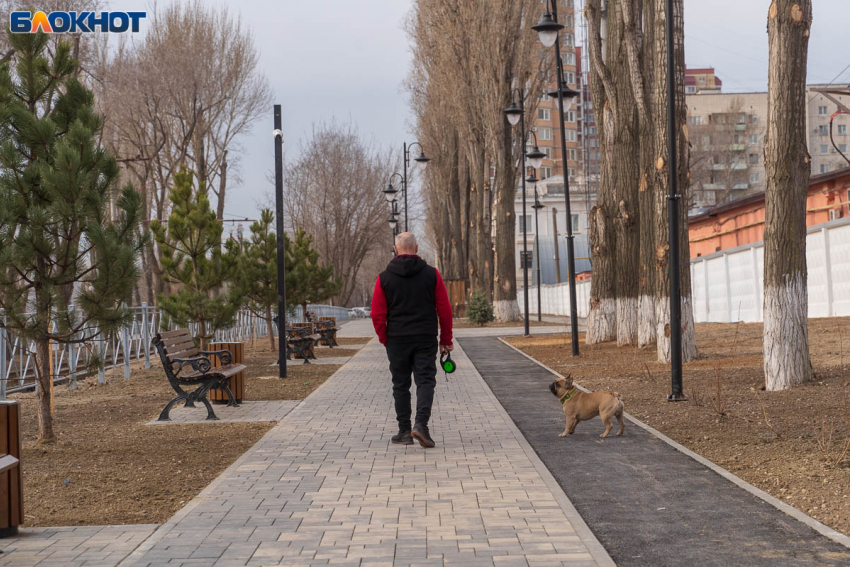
{"x":81,"y":546}
{"x":247,"y":412}
{"x":326,"y":487}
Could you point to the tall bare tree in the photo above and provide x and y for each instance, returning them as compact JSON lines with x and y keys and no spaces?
{"x":184,"y":94}
{"x":334,"y":194}
{"x":615,"y":220}
{"x":787,"y":164}
{"x":661,"y":187}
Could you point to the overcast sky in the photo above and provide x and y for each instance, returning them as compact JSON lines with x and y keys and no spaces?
{"x":348,"y":58}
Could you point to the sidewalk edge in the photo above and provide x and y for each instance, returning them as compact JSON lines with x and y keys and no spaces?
{"x":823,"y":529}
{"x":583,"y":531}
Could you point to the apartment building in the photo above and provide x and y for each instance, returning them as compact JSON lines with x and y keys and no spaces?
{"x":727,"y":140}
{"x":726,"y":131}
{"x":819,"y":110}
{"x":702,"y":80}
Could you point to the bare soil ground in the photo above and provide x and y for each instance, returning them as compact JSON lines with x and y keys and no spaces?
{"x":107,"y":467}
{"x":786,"y":443}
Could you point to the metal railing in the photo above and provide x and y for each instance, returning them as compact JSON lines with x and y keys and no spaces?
{"x":130,"y":344}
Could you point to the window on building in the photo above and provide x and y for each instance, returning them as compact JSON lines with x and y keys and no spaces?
{"x":567,"y":40}
{"x":574,"y":220}
{"x":572,"y":173}
{"x":694,"y":120}
{"x":545,"y":172}
{"x":568,"y":58}
{"x":545,"y":97}
{"x":842,"y":129}
{"x":754,"y":139}
{"x":544,"y":114}
{"x":742,"y":119}
{"x":824,"y":168}
{"x":545,"y":133}
{"x":591,"y":131}
{"x":824,"y":149}
{"x":523,"y":223}
{"x":842,"y":148}
{"x":569,"y":77}
{"x":570,"y":116}
{"x":823,"y":130}
{"x":821,"y":111}
{"x":754,"y":119}
{"x":690,"y":89}
{"x":754,"y":159}
{"x":834,"y":214}
{"x":591,"y":118}
{"x":737,"y":138}
{"x":754,"y":177}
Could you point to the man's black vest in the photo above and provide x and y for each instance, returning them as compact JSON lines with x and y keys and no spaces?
{"x":410,"y":285}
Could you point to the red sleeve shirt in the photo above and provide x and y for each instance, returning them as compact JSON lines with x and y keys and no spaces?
{"x":379,"y":312}
{"x":444,"y":311}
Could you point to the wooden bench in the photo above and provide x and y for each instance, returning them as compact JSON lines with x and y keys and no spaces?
{"x":326,"y":327}
{"x":300,"y":342}
{"x":176,"y":350}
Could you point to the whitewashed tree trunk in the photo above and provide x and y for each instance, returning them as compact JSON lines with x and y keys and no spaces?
{"x":787,"y":169}
{"x":646,"y":320}
{"x":506,"y":310}
{"x":660,"y":187}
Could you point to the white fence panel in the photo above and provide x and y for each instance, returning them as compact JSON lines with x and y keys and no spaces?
{"x":729,"y":285}
{"x":839,"y":248}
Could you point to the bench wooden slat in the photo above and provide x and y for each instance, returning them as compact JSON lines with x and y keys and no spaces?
{"x":188,"y":353}
{"x":225,"y":371}
{"x":184,"y":344}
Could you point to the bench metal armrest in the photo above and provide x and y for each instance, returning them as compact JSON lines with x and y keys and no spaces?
{"x":200,"y":364}
{"x":225,"y":356}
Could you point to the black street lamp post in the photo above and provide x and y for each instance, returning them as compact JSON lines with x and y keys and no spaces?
{"x":420,"y":159}
{"x":677,"y":394}
{"x":547,"y":31}
{"x":537,"y":206}
{"x":281,"y":268}
{"x":516,"y":114}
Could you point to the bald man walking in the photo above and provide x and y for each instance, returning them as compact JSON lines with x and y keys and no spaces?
{"x":409,"y":298}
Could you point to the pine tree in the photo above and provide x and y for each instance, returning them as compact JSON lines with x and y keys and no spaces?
{"x":192,"y":256}
{"x":257,"y":275}
{"x":69,"y":237}
{"x":307,"y":281}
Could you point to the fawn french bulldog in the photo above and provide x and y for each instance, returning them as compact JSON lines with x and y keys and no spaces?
{"x":579,"y":406}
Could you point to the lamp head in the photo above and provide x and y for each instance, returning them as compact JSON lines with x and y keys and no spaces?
{"x":547,"y":29}
{"x":390,"y":193}
{"x":535,"y":157}
{"x":513,"y":112}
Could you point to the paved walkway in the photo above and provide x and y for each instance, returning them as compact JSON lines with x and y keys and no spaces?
{"x":88,"y":546}
{"x":648,"y":503}
{"x":326,"y":486}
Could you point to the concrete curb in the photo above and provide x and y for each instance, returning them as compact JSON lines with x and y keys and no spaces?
{"x":137,"y":554}
{"x":596,"y":550}
{"x":757,"y":492}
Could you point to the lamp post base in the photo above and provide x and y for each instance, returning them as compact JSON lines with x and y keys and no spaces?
{"x":677,"y":398}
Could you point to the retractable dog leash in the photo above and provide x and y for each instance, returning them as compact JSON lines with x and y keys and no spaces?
{"x":448,"y":364}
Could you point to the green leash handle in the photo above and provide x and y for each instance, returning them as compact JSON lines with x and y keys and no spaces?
{"x":447,"y":363}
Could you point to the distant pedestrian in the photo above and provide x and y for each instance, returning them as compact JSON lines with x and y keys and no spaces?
{"x":409,"y":298}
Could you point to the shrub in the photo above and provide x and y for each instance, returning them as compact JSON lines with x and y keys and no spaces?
{"x":479,"y":310}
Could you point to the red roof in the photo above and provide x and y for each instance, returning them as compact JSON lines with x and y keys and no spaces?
{"x":704,"y":71}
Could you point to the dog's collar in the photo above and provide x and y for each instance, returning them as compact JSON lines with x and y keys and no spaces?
{"x":568,"y":395}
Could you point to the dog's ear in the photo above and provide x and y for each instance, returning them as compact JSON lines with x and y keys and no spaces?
{"x":568,"y":381}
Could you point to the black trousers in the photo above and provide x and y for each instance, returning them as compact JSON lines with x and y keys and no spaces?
{"x":420,"y":358}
